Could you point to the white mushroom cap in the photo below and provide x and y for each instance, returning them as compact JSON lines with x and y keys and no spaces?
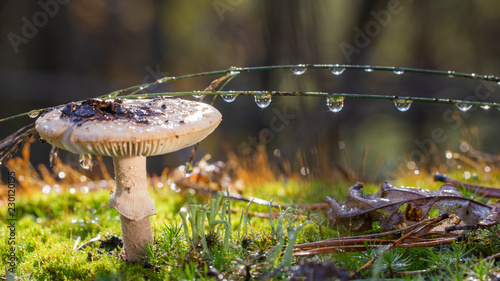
{"x":173,"y":125}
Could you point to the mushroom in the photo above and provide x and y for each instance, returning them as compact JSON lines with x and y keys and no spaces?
{"x":129,"y":130}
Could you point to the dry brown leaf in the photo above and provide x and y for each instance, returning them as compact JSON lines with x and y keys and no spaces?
{"x":359,"y":212}
{"x":493,"y":217}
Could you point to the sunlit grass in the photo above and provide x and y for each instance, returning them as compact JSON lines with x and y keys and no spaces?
{"x":52,"y":224}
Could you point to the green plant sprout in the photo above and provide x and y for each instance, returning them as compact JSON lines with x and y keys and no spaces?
{"x":197,"y":215}
{"x":245,"y":221}
{"x":224,"y":219}
{"x":278,"y":233}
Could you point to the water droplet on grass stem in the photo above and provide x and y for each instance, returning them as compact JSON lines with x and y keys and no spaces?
{"x":34,"y":113}
{"x":198,"y":95}
{"x":234,"y":72}
{"x":299,"y":70}
{"x":337,"y":70}
{"x":85,"y":161}
{"x":398,"y":71}
{"x":335,"y":103}
{"x":263,"y":100}
{"x":229,"y":97}
{"x":464,"y":106}
{"x":402,"y":104}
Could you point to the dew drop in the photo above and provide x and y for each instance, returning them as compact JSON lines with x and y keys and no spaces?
{"x":263,"y":100}
{"x":448,"y":154}
{"x":464,"y":106}
{"x":304,"y":171}
{"x":341,"y":145}
{"x":33,"y":113}
{"x":451,"y":74}
{"x":85,"y":161}
{"x":188,"y":170}
{"x":299,"y":70}
{"x":464,"y":147}
{"x":369,"y":69}
{"x":198,"y":95}
{"x":402,"y":104}
{"x":485,"y":107}
{"x":337,"y":70}
{"x":411,"y":165}
{"x":398,"y":71}
{"x":335,"y":103}
{"x":229,"y":97}
{"x":234,"y":72}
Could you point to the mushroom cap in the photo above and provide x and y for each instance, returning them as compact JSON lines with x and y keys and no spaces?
{"x":150,"y":127}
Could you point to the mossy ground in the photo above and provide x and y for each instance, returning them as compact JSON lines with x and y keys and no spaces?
{"x":49,"y":225}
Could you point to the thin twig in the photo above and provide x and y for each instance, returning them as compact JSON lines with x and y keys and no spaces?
{"x":495,"y":256}
{"x":399,"y":241}
{"x":93,"y":240}
{"x":358,"y":247}
{"x":482,"y":190}
{"x":333,"y":241}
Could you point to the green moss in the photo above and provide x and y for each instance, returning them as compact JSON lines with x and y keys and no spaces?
{"x":50,"y":226}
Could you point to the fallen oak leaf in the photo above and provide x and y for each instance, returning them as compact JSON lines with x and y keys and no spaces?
{"x":359,"y":212}
{"x":492,"y":219}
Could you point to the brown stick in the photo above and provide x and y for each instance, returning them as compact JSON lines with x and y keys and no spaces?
{"x":495,"y":256}
{"x":358,"y":248}
{"x":399,"y":241}
{"x":492,"y":192}
{"x":363,"y":237}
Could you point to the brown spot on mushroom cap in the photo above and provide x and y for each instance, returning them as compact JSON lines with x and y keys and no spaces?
{"x":122,"y":137}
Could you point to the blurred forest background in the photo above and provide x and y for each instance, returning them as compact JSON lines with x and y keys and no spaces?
{"x":56,"y":51}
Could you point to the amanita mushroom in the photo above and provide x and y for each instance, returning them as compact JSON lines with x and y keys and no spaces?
{"x":129,"y":130}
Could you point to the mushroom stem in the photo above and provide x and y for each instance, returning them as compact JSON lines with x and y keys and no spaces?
{"x":136,"y":237}
{"x":131,"y":199}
